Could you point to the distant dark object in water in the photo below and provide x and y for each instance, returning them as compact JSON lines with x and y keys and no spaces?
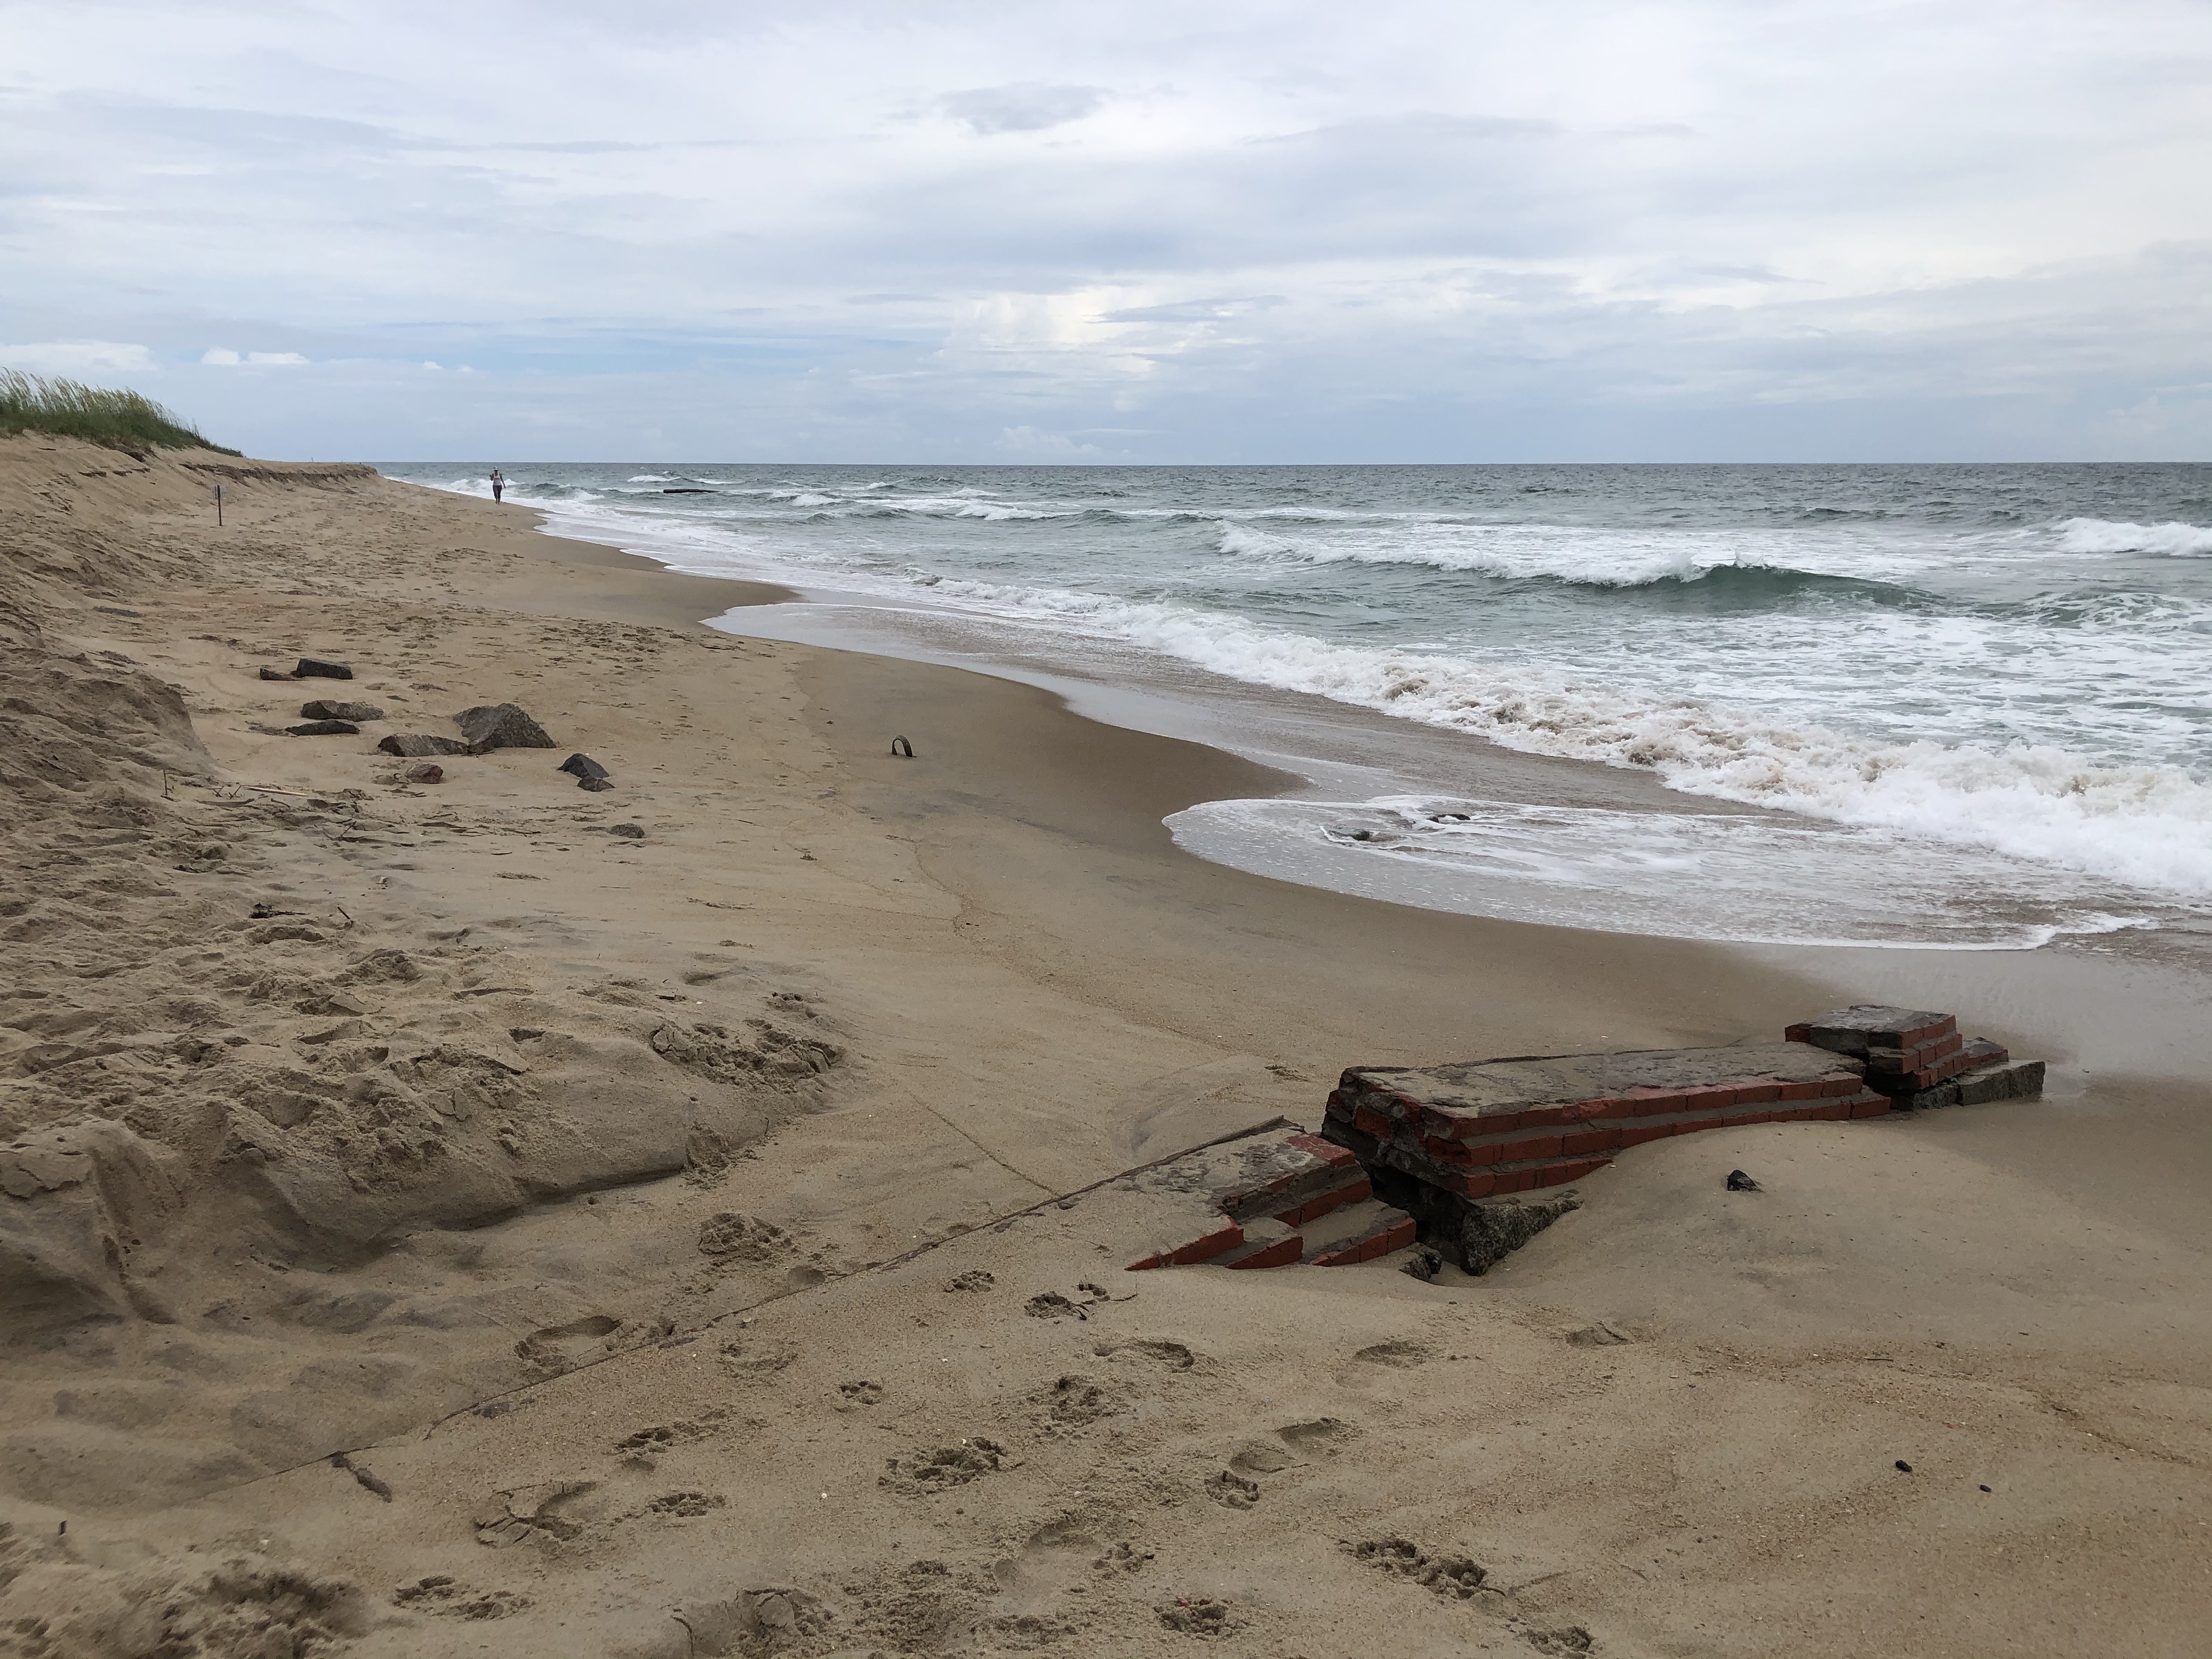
{"x":687,"y":492}
{"x":1738,"y":1181}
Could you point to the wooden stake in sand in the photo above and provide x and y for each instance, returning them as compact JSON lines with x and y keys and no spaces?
{"x":218,"y":506}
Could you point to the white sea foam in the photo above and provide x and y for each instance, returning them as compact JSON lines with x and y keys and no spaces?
{"x":1566,"y":553}
{"x":2147,"y":825}
{"x":1963,"y":679}
{"x":1751,"y":878}
{"x":651,"y":477}
{"x":2174,"y":540}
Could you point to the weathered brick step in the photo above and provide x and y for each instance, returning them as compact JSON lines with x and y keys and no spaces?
{"x":1555,"y":1160}
{"x":1356,"y":1232}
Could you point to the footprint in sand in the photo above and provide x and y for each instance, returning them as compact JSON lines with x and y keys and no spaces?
{"x":440,"y":1595}
{"x":1168,"y":1356}
{"x":1193,"y":1616}
{"x":1399,"y":1353}
{"x":1319,"y":1434}
{"x":1074,"y":1402}
{"x":564,"y":1348}
{"x":1455,"y":1577}
{"x":945,"y":1468}
{"x":1232,"y":1490}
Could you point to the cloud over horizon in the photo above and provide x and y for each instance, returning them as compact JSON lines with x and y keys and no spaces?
{"x":1689,"y":229}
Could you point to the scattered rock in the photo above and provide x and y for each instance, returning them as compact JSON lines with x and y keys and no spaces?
{"x":1738,"y":1181}
{"x":584,"y":767}
{"x":278,"y":674}
{"x":597,"y":786}
{"x":324,"y":729}
{"x":412,"y":745}
{"x":1425,"y":1264}
{"x":428,"y":772}
{"x":325,"y":708}
{"x":628,"y":831}
{"x":312,"y":668}
{"x":500,"y":726}
{"x":1903,"y":1468}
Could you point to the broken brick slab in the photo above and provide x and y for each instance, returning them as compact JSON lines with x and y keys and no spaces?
{"x":1865,"y":1025}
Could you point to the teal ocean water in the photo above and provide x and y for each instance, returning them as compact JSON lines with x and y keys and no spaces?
{"x":1972,"y":704}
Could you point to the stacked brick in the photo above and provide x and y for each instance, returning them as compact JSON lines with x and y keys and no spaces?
{"x":1493,"y":1129}
{"x":1285,"y":1197}
{"x":1457,"y":1145}
{"x":1920,"y":1060}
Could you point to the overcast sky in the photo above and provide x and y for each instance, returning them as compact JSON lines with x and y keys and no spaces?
{"x":1158,"y":230}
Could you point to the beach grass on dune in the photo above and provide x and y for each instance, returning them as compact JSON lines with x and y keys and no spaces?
{"x":100,"y":415}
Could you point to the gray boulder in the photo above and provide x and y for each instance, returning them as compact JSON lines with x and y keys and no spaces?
{"x":414,"y":744}
{"x":324,"y":709}
{"x":324,"y":729}
{"x":501,"y":725}
{"x":311,"y":668}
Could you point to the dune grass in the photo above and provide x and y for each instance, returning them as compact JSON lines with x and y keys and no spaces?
{"x":100,"y":415}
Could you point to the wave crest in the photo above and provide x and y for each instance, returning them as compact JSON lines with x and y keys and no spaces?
{"x":2174,"y":540}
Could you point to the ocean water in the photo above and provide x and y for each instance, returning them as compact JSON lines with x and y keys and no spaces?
{"x":1949,"y":705}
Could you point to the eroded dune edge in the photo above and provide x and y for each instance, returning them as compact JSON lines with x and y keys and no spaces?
{"x":687,"y":1217}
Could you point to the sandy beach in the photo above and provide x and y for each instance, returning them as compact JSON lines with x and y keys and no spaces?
{"x":489,"y":1216}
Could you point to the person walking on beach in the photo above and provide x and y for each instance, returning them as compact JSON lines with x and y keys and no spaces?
{"x":498,"y":483}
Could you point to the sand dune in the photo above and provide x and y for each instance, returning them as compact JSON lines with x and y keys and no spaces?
{"x":494,"y":1216}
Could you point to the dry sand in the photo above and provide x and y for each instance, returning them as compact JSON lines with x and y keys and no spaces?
{"x":527,"y":1238}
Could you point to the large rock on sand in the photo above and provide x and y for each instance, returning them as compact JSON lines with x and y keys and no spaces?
{"x":501,"y":725}
{"x":412,"y":745}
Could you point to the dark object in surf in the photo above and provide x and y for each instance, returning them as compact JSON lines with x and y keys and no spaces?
{"x":629,"y":831}
{"x":901,"y":748}
{"x":584,"y":768}
{"x":324,"y":729}
{"x":1738,"y":1181}
{"x":278,"y":674}
{"x":429,"y":772}
{"x":500,"y":726}
{"x":312,"y":668}
{"x":692,"y":491}
{"x":323,"y":709}
{"x":1425,"y":1264}
{"x":412,"y":744}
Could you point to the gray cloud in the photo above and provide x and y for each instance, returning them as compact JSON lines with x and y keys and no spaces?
{"x":1028,"y":108}
{"x":1602,"y":228}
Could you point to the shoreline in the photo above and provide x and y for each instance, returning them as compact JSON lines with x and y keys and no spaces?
{"x":826,"y":1006}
